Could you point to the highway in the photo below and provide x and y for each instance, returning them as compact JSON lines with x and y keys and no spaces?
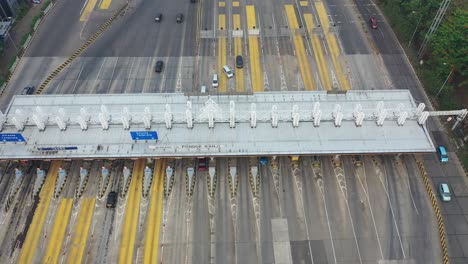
{"x":317,"y":212}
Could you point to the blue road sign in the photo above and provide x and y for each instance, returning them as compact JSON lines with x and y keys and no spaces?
{"x":11,"y":137}
{"x":57,"y":148}
{"x":144,"y":135}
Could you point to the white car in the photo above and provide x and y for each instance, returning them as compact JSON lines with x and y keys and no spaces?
{"x":36,"y":1}
{"x":215,"y":81}
{"x":228,"y":71}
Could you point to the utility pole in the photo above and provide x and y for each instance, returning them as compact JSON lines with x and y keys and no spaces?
{"x":435,"y":24}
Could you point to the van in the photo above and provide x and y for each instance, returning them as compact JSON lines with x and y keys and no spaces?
{"x":444,"y":192}
{"x":203,"y":89}
{"x":227,"y":71}
{"x":215,"y":80}
{"x":442,"y":152}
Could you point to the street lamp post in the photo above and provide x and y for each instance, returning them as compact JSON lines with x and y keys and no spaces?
{"x":448,"y":76}
{"x":414,"y":33}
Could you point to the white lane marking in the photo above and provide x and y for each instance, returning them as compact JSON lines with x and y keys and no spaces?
{"x":129,"y":74}
{"x":393,"y":214}
{"x":410,"y":191}
{"x":344,"y":191}
{"x":305,"y":218}
{"x":372,"y":216}
{"x":149,"y":72}
{"x":112,"y":75}
{"x":328,"y":222}
{"x":77,"y":78}
{"x":84,"y":6}
{"x":99,"y":72}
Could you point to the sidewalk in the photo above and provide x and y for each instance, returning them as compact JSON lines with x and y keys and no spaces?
{"x":19,"y":29}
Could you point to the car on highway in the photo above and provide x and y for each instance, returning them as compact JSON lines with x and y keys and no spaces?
{"x":444,"y":192}
{"x":228,"y":71}
{"x":158,"y":17}
{"x":442,"y":153}
{"x":239,"y":61}
{"x":28,"y":90}
{"x":159,"y":66}
{"x":215,"y":81}
{"x":179,"y":18}
{"x":111,"y":200}
{"x":373,"y":22}
{"x":202,"y":164}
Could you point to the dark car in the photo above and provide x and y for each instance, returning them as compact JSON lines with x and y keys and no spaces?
{"x":158,"y":17}
{"x":179,"y":18}
{"x":239,"y":61}
{"x":159,"y":66}
{"x":202,"y":163}
{"x":27,"y":90}
{"x":111,"y":200}
{"x":373,"y":22}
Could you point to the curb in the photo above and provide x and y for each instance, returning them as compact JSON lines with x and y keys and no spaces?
{"x":435,"y":206}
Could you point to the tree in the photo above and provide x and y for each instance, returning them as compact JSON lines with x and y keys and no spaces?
{"x":449,"y":45}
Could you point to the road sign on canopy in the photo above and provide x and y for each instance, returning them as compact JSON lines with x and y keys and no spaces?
{"x":11,"y":137}
{"x":144,"y":135}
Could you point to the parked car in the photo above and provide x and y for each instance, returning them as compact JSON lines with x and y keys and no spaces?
{"x":444,"y":192}
{"x":159,"y":66}
{"x":28,"y":90}
{"x":373,"y":22}
{"x":158,"y":17}
{"x":179,"y":18}
{"x":36,"y":1}
{"x":111,"y":199}
{"x":239,"y":61}
{"x":228,"y":71}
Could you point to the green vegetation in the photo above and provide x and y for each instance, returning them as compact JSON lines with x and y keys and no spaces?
{"x":11,"y":62}
{"x":444,"y":70}
{"x":446,"y":53}
{"x":23,"y":8}
{"x":24,"y":38}
{"x":45,"y":5}
{"x":33,"y":22}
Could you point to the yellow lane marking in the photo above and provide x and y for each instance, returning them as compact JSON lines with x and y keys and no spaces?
{"x":251,"y":18}
{"x":87,"y":10}
{"x":304,"y":66}
{"x":235,"y":3}
{"x":335,"y":52}
{"x":318,"y":53}
{"x":332,"y":44}
{"x":222,"y":4}
{"x":222,"y":79}
{"x":80,"y":235}
{"x":324,"y":22}
{"x":238,"y":51}
{"x":105,"y":4}
{"x":303,"y":3}
{"x":153,"y":222}
{"x":254,"y":51}
{"x":32,"y":237}
{"x":132,"y":211}
{"x":58,"y":231}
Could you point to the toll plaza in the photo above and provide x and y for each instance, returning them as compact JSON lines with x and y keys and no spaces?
{"x":178,"y":125}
